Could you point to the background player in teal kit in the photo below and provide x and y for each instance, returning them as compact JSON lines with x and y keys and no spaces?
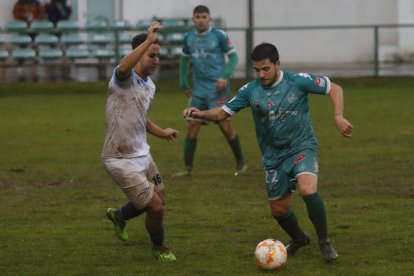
{"x":207,"y":47}
{"x":279,"y":104}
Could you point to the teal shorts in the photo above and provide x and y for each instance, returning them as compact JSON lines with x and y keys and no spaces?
{"x":204,"y":100}
{"x":282,"y":178}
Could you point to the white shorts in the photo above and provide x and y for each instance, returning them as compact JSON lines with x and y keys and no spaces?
{"x":137,"y":177}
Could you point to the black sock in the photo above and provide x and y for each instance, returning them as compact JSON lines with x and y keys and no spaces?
{"x":237,"y":152}
{"x":317,"y":214}
{"x":128,"y":211}
{"x":289,"y":223}
{"x":190,"y":146}
{"x":156,"y":236}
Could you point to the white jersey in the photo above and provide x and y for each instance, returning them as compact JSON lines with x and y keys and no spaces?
{"x":126,"y":116}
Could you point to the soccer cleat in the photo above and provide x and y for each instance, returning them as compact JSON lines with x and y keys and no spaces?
{"x":163,"y":253}
{"x":294,"y":246}
{"x":329,"y":253}
{"x":241,"y":170}
{"x":182,"y":173}
{"x":120,"y":231}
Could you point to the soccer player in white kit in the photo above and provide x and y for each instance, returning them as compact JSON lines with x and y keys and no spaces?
{"x":126,"y":153}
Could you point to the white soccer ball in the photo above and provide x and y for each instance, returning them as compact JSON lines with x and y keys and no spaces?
{"x":270,"y":254}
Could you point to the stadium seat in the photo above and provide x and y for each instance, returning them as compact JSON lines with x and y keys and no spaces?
{"x":176,"y":52}
{"x":77,"y":53}
{"x":121,"y":25}
{"x":125,"y":38}
{"x":174,"y":38}
{"x":66,"y":26}
{"x":173,"y":23}
{"x":46,"y":39}
{"x":96,"y":25}
{"x":4,"y":54}
{"x":41,"y":26}
{"x":103,"y":53}
{"x":72,"y":39}
{"x":21,"y":40}
{"x":164,"y":52}
{"x":99,"y":38}
{"x":23,"y":54}
{"x":17,"y":26}
{"x":50,"y":53}
{"x":143,"y":24}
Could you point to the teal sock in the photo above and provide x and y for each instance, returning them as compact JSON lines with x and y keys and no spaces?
{"x":289,"y":224}
{"x":237,"y":152}
{"x":317,"y":214}
{"x":190,"y":146}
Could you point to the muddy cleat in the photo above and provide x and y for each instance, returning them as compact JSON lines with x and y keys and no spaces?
{"x":241,"y":170}
{"x":120,"y":231}
{"x":182,"y":173}
{"x":163,"y":253}
{"x":294,"y":246}
{"x":329,"y":253}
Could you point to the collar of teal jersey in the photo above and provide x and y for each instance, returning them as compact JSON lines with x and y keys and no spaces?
{"x":276,"y":83}
{"x":203,"y":33}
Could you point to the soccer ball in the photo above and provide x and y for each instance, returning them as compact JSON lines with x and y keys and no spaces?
{"x":270,"y":254}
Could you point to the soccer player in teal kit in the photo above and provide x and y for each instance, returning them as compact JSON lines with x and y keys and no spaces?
{"x":279,"y":104}
{"x":207,"y":48}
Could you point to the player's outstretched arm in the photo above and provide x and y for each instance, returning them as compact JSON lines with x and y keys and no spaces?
{"x":337,"y":97}
{"x":215,"y":114}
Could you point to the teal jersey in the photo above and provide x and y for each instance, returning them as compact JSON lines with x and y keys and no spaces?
{"x":281,"y":113}
{"x":207,"y":51}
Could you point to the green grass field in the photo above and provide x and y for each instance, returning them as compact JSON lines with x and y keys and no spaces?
{"x":54,"y":191}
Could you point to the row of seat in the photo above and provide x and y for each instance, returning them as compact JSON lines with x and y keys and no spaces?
{"x":76,"y":52}
{"x":93,"y":25}
{"x":80,"y":38}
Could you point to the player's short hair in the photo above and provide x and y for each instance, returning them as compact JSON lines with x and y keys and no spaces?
{"x":264,"y":51}
{"x":201,"y":9}
{"x":139,"y":39}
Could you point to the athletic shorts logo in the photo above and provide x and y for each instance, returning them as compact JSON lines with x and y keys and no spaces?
{"x":299,"y":158}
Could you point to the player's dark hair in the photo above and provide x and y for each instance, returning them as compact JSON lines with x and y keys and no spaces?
{"x":139,"y":39}
{"x":264,"y":51}
{"x":201,"y":9}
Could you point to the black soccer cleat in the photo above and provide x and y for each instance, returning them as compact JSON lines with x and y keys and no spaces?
{"x":329,"y":253}
{"x":294,"y":246}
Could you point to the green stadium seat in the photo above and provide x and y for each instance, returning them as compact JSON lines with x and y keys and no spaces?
{"x":96,"y":25}
{"x":143,"y":24}
{"x":103,"y":53}
{"x":50,"y":54}
{"x":77,"y":53}
{"x":164,"y":52}
{"x":174,"y":38}
{"x":175,"y":23}
{"x":176,"y":52}
{"x":72,"y":39}
{"x":46,"y":39}
{"x":18,"y":26}
{"x":21,"y":40}
{"x":125,"y":38}
{"x":41,"y":26}
{"x":99,"y":38}
{"x":121,"y":24}
{"x":66,"y":26}
{"x":4,"y":54}
{"x":22,"y":54}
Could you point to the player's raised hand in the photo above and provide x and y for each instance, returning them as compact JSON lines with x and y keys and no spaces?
{"x":152,"y":31}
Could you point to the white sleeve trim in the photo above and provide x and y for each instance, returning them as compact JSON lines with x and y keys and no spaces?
{"x":228,"y":110}
{"x":328,"y":86}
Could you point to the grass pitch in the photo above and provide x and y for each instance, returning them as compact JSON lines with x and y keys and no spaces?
{"x":54,"y":191}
